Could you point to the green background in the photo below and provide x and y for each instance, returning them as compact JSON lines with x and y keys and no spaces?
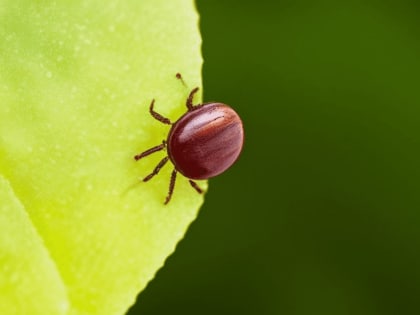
{"x":321,"y":214}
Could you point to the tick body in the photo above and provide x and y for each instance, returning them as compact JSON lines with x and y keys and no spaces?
{"x":202,"y":143}
{"x":206,"y":141}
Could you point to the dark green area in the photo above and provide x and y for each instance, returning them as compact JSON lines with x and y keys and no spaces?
{"x":321,"y":215}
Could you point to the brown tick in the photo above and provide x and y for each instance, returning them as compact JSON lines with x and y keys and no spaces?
{"x":202,"y":143}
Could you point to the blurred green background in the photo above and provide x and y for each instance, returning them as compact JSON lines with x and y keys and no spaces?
{"x":321,"y":214}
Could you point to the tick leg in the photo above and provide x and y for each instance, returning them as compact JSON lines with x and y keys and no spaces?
{"x":195,"y":186}
{"x":157,"y":169}
{"x":171,"y":186}
{"x":158,"y":116}
{"x":150,"y":151}
{"x":179,"y":77}
{"x":189,"y":103}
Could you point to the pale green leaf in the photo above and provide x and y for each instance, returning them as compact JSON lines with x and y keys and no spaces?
{"x":76,"y":81}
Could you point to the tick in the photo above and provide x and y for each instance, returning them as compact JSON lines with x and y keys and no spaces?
{"x":203,"y":143}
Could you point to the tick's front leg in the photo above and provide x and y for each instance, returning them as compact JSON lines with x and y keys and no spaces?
{"x":158,"y":116}
{"x":150,"y":151}
{"x":189,"y":103}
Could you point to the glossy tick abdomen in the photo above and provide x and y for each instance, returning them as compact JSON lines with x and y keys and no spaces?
{"x":205,"y":141}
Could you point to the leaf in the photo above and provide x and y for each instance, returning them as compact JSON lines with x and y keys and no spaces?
{"x":80,"y":233}
{"x":27,"y":270}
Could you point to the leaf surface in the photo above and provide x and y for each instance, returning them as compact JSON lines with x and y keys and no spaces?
{"x":76,"y":81}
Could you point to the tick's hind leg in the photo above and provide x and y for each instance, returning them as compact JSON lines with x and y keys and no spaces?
{"x":157,"y":169}
{"x":171,"y":186}
{"x":158,"y":116}
{"x":195,"y":186}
